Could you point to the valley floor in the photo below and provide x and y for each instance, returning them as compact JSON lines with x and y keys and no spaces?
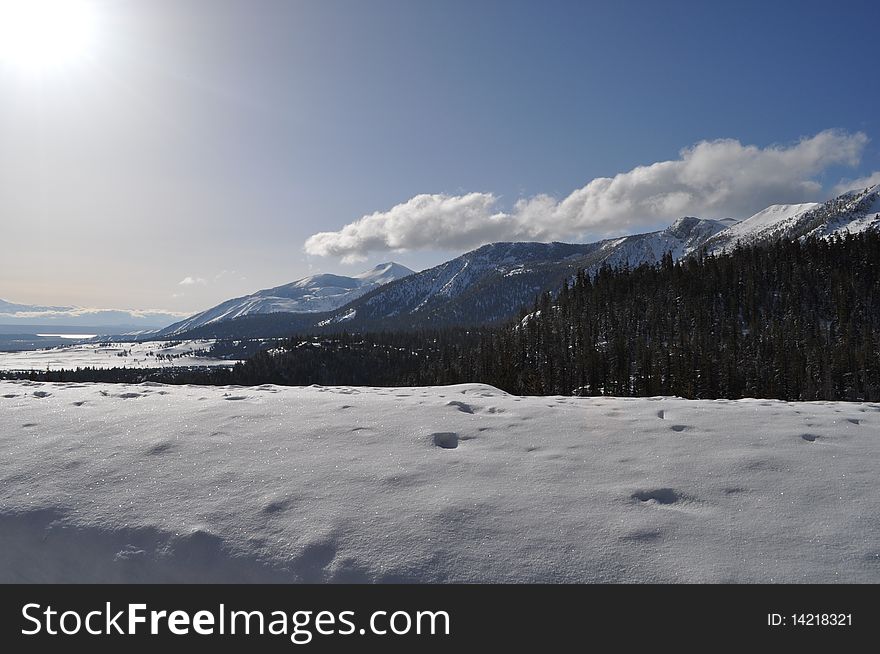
{"x":145,"y":354}
{"x":448,"y":484}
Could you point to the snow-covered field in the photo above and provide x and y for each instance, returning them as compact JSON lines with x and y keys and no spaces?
{"x":147,"y":354}
{"x":462,"y":483}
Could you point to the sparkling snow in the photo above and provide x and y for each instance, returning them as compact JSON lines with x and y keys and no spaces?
{"x":465,"y":483}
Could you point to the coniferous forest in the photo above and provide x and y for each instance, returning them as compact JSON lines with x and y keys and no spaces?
{"x":795,"y":320}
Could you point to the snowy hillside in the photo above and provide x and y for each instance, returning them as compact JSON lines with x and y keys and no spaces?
{"x":851,"y":212}
{"x":146,"y":354}
{"x":312,"y":294}
{"x":488,"y":283}
{"x":681,"y":239}
{"x":763,"y":224}
{"x":454,"y":484}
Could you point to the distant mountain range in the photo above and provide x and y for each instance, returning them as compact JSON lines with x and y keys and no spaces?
{"x":31,"y":316}
{"x":485,"y":286}
{"x":492,"y":283}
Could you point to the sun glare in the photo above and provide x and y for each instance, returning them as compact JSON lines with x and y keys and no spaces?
{"x":41,"y":35}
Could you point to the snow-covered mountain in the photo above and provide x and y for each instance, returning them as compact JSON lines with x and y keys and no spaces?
{"x":684,"y":237}
{"x":313,"y":294}
{"x":852,"y":212}
{"x":484,"y":286}
{"x":489,"y":284}
{"x":495,"y":281}
{"x":492,"y":283}
{"x":761,"y":225}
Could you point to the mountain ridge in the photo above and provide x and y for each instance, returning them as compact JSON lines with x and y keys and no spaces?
{"x":493,"y":282}
{"x":312,"y":294}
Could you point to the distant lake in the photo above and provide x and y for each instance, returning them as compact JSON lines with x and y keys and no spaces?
{"x":76,"y":337}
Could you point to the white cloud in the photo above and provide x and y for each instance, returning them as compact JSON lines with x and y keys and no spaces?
{"x":192,"y":281}
{"x":422,"y":222}
{"x":712,"y":179}
{"x":856,"y":184}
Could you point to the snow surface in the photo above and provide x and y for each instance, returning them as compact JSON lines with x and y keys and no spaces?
{"x":146,"y":354}
{"x":772,"y":216}
{"x":465,"y":483}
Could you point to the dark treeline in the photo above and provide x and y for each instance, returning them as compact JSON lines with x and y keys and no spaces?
{"x":793,"y":320}
{"x":418,"y":358}
{"x":422,"y":358}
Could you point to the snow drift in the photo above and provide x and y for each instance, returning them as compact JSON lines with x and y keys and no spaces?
{"x":448,"y":484}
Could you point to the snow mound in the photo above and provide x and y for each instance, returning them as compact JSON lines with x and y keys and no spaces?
{"x":153,"y":483}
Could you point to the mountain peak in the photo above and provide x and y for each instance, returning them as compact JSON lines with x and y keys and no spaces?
{"x":388,"y":266}
{"x":689,"y":228}
{"x":860,"y":191}
{"x":384,"y":273}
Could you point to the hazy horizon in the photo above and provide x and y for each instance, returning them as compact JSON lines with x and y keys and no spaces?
{"x":194,"y":152}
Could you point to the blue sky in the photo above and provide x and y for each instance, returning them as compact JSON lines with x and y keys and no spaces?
{"x":210,"y":139}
